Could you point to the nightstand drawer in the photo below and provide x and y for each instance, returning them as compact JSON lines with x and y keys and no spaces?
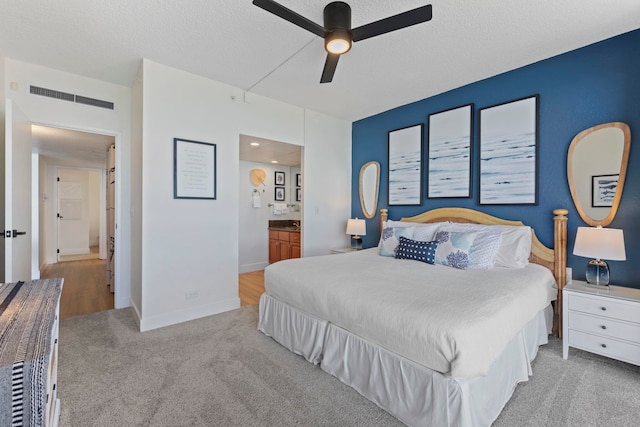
{"x":606,"y":307}
{"x":605,"y":346}
{"x":604,"y":326}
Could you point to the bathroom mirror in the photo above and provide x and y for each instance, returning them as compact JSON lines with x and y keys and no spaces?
{"x":596,"y":169}
{"x":369,"y":182}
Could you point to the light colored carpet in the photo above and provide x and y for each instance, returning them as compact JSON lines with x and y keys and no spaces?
{"x":220,"y":371}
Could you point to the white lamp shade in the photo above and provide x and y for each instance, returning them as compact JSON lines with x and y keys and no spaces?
{"x":357,"y":227}
{"x":600,"y":243}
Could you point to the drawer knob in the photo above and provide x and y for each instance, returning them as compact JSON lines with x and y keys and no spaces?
{"x":603,"y":345}
{"x":603,"y":308}
{"x":603,"y":327}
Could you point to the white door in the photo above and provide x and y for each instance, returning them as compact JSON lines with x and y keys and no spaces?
{"x":17,"y":194}
{"x":73,"y":223}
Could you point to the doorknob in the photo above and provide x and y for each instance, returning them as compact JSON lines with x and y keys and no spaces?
{"x":16,"y":233}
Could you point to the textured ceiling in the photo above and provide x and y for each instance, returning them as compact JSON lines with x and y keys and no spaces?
{"x":237,"y":43}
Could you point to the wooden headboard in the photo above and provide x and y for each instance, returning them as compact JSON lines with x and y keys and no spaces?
{"x":554,"y":259}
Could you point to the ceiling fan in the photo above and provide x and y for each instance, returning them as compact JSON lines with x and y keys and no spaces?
{"x":337,"y":32}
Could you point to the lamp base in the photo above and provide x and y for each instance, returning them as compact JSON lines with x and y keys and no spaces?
{"x":356,"y":242}
{"x":598,"y":274}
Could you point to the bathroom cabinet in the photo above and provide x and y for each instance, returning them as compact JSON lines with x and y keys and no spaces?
{"x":283,"y":245}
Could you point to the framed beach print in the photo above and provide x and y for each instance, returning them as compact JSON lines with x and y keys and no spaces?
{"x":279,"y":178}
{"x":279,"y":194}
{"x":449,"y":153}
{"x":194,"y":169}
{"x":603,"y":190}
{"x":405,"y":166}
{"x":509,"y":153}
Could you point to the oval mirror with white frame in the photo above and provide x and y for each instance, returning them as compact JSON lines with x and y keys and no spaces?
{"x":369,"y":182}
{"x":596,"y":170}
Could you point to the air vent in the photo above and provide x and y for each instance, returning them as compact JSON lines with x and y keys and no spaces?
{"x":52,"y":93}
{"x":95,"y":102}
{"x":56,"y":94}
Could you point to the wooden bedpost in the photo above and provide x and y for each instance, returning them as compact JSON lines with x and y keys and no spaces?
{"x":560,"y":263}
{"x":384,"y":215}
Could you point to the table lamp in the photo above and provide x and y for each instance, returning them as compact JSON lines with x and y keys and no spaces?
{"x":356,"y":228}
{"x":599,"y":243}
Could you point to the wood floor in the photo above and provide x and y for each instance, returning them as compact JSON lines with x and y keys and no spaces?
{"x":85,"y":287}
{"x":85,"y":290}
{"x":250,"y":287}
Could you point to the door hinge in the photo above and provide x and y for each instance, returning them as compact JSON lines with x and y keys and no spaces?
{"x":57,"y":251}
{"x":58,"y":179}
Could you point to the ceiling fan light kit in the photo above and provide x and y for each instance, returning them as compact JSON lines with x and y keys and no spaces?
{"x":337,"y":33}
{"x":338,"y":42}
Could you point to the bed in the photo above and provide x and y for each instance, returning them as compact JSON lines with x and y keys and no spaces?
{"x":431,"y":344}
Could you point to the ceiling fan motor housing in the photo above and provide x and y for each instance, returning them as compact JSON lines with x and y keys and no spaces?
{"x":337,"y":16}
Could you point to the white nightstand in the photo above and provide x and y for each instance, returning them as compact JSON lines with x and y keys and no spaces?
{"x":605,"y":322}
{"x":344,"y":250}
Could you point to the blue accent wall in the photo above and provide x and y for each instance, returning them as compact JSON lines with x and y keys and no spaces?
{"x":596,"y":84}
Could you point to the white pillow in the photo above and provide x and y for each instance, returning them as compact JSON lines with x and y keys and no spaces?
{"x":421,"y":232}
{"x":515,"y":245}
{"x":427,"y":232}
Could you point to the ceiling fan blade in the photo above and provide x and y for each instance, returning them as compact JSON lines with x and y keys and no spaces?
{"x":329,"y":68}
{"x":291,"y":16}
{"x":392,"y":23}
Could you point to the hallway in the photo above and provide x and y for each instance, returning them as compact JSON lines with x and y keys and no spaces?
{"x":85,"y":288}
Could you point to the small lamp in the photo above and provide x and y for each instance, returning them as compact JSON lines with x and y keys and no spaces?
{"x":356,"y":227}
{"x":599,"y":243}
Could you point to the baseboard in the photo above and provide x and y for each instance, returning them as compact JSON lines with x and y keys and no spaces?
{"x":77,"y":251}
{"x":248,"y":268}
{"x":159,"y":321}
{"x":137,"y":312}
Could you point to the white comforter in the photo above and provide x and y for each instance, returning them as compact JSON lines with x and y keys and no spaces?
{"x":456,"y":322}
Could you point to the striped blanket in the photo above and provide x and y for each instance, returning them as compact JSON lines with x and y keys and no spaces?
{"x":27,"y":318}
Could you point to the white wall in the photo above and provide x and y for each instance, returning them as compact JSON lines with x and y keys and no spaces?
{"x":43,"y":219}
{"x":136,"y":192}
{"x":2,"y":171}
{"x":94,"y":208}
{"x":327,"y":183}
{"x":35,"y":217}
{"x":253,"y":243}
{"x":189,"y":248}
{"x":47,"y":111}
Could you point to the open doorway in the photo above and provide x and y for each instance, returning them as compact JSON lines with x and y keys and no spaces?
{"x":75,"y":203}
{"x":271,"y":191}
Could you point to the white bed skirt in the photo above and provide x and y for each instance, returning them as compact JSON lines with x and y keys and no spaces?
{"x":416,"y":395}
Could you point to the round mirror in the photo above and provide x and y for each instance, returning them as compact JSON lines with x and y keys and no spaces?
{"x":369,"y":180}
{"x":596,"y":169}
